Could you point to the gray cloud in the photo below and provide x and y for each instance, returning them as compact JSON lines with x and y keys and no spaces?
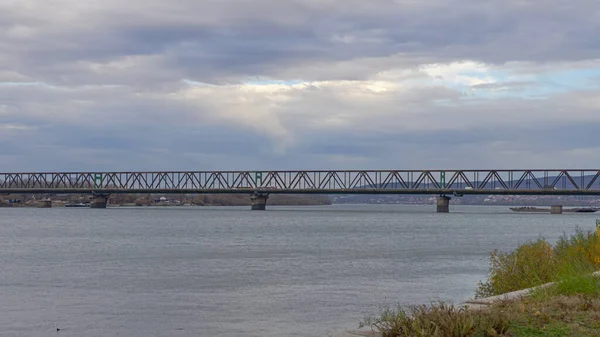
{"x":233,"y":39}
{"x":87,"y":86}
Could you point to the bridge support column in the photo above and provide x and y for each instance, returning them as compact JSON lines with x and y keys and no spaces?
{"x":259,"y":201}
{"x":99,"y":201}
{"x":443,"y":204}
{"x":46,"y":203}
{"x":556,"y":209}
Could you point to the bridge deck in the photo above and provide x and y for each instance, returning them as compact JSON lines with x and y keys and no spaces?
{"x":524,"y":182}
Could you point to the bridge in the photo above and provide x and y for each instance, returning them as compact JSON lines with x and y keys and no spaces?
{"x":260,"y":184}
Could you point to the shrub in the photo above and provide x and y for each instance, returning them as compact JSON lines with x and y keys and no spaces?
{"x":581,"y":247}
{"x":530,"y":264}
{"x":536,"y":262}
{"x":438,"y":320}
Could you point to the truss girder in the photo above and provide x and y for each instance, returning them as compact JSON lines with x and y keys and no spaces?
{"x":378,"y":181}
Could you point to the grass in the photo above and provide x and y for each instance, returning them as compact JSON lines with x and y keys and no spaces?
{"x":440,"y":319}
{"x":538,"y":262}
{"x":569,"y":307}
{"x":549,"y":314}
{"x":560,"y":315}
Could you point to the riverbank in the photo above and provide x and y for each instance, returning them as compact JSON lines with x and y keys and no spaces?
{"x":200,"y":200}
{"x":550,"y":315}
{"x":564,"y":298}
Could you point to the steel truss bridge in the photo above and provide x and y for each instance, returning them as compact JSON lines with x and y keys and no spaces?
{"x":441,"y":182}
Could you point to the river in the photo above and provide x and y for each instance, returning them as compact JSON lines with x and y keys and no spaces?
{"x":228,"y":271}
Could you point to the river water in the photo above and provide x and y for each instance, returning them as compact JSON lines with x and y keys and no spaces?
{"x":226,"y":271}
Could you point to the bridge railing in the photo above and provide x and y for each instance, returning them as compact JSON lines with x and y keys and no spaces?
{"x":467,"y":181}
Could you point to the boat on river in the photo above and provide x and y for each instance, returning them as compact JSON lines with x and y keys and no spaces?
{"x":545,"y":210}
{"x":581,"y":210}
{"x":77,"y":205}
{"x":529,"y":209}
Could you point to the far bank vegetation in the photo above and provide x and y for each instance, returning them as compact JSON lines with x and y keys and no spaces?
{"x":238,"y":200}
{"x":168,"y":200}
{"x":244,"y":200}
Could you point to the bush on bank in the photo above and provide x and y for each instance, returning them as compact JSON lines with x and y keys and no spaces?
{"x":571,"y":307}
{"x":438,"y":320}
{"x":572,"y":316}
{"x":537,"y":262}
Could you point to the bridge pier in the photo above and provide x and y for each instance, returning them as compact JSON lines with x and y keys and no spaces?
{"x":443,"y":204}
{"x":259,"y":201}
{"x":556,"y":209}
{"x":47,"y":203}
{"x":99,"y":201}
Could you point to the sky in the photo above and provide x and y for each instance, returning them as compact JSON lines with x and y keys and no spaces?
{"x":107,"y":85}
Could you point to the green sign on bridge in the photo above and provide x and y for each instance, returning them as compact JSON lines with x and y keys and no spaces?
{"x":258,"y":179}
{"x":97,"y":180}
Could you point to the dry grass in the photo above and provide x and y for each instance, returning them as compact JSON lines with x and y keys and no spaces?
{"x":537,"y":262}
{"x":571,"y":307}
{"x":575,"y":315}
{"x":437,"y":320}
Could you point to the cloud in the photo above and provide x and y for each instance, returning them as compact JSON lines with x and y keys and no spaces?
{"x":297,"y":84}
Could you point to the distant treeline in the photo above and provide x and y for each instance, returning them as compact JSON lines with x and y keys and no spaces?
{"x":174,"y":199}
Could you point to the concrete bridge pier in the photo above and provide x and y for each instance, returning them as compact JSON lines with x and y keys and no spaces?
{"x":259,"y":201}
{"x":556,"y":209}
{"x":99,"y":201}
{"x":443,"y":204}
{"x":46,"y":203}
